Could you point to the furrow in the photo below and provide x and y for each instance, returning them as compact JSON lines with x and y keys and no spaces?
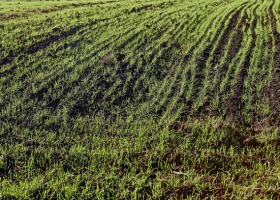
{"x":220,"y":34}
{"x":234,"y":103}
{"x":275,"y":83}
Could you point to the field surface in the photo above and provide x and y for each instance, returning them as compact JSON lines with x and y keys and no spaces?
{"x":140,"y":99}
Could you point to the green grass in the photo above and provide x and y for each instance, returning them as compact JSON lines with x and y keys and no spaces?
{"x":139,"y":99}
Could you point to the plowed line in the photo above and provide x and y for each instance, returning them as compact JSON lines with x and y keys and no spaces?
{"x":234,"y":106}
{"x":233,"y":49}
{"x":46,"y":42}
{"x":75,"y":82}
{"x":41,"y":45}
{"x":234,"y":33}
{"x":178,"y":90}
{"x":201,"y":64}
{"x":8,"y":16}
{"x":275,"y":84}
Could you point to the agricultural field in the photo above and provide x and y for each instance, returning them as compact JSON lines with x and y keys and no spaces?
{"x":145,"y":99}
